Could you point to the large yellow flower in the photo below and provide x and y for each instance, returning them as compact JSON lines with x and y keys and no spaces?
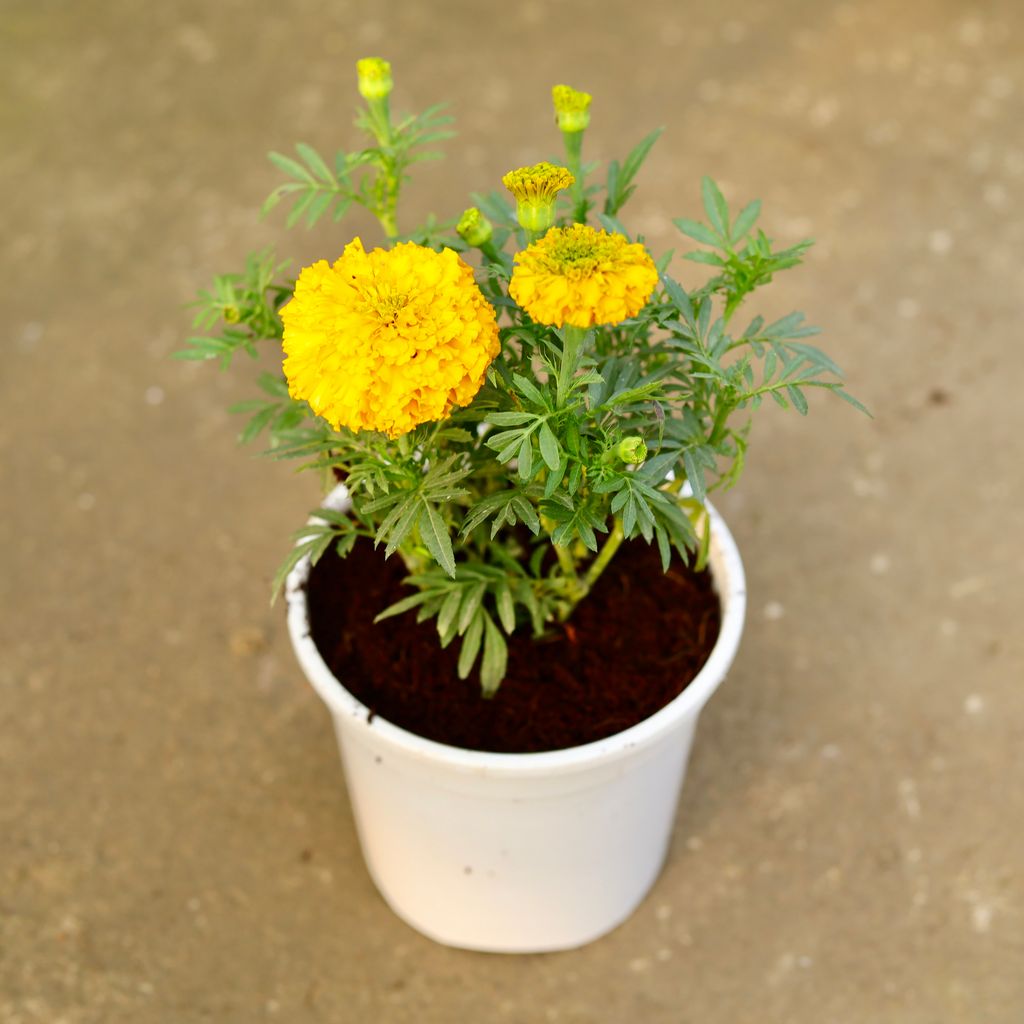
{"x":387,"y":340}
{"x":581,"y":276}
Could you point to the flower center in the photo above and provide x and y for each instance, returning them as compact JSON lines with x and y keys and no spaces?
{"x":576,"y":254}
{"x":387,"y":302}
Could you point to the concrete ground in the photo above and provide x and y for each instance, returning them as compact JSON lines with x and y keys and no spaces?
{"x":175,"y":841}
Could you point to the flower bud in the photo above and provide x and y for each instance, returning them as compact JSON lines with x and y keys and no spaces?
{"x":474,"y":228}
{"x":232,"y":314}
{"x":535,"y":189}
{"x":374,"y":78}
{"x":572,"y":108}
{"x":632,"y":450}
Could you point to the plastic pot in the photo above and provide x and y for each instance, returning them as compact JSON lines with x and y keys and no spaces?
{"x":517,"y":853}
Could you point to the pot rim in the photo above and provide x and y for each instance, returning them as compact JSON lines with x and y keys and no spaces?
{"x":729,"y":580}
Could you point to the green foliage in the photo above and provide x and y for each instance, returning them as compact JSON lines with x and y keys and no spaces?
{"x":245,"y":308}
{"x":506,"y":513}
{"x":370,"y":177}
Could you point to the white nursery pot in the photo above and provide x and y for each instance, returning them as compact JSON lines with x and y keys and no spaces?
{"x":518,"y":853}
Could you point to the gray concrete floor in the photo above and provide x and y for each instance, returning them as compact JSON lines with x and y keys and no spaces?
{"x":175,"y":839}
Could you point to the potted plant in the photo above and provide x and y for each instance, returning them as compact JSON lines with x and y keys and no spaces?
{"x":525,"y":408}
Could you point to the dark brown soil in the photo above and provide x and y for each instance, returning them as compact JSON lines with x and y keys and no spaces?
{"x":635,"y":643}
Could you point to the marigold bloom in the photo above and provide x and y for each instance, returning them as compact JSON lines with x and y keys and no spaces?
{"x":387,"y":340}
{"x":581,"y":276}
{"x":572,"y":108}
{"x":374,"y":76}
{"x":535,"y":189}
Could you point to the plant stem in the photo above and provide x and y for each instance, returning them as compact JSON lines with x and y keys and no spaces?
{"x":605,"y":555}
{"x":722,"y":410}
{"x":572,"y":339}
{"x":598,"y":566}
{"x":380,"y":122}
{"x":574,"y":160}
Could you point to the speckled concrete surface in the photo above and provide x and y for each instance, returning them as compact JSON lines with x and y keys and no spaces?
{"x":175,"y":843}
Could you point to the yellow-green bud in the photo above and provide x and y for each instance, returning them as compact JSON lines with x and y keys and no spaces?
{"x":535,"y":189}
{"x":474,"y":228}
{"x":572,"y":108}
{"x":632,"y":450}
{"x":374,"y":78}
{"x":232,"y":314}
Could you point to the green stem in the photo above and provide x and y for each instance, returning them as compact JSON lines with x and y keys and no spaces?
{"x":572,"y":340}
{"x":387,"y":204}
{"x":388,"y":221}
{"x":607,"y":552}
{"x":722,"y":411}
{"x":574,"y":160}
{"x":598,"y":566}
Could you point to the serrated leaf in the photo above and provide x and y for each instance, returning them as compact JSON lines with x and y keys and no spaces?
{"x":696,"y":230}
{"x":506,"y":607}
{"x":746,"y":220}
{"x":290,"y":167}
{"x":471,"y":602}
{"x":664,"y":548}
{"x":796,"y":396}
{"x":507,"y":419}
{"x":549,"y":449}
{"x":446,"y":616}
{"x":715,"y":206}
{"x":528,"y":389}
{"x":314,"y":160}
{"x":435,"y":535}
{"x":495,"y":659}
{"x":846,"y":397}
{"x":470,"y":646}
{"x":702,"y":256}
{"x":527,"y":513}
{"x":695,"y":475}
{"x":525,"y":457}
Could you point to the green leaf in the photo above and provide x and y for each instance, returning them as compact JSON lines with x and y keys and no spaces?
{"x":529,"y":391}
{"x":315,"y":161}
{"x":506,"y":607}
{"x":697,"y":231}
{"x":796,"y":396}
{"x":435,"y":536}
{"x":290,"y":167}
{"x":701,"y":256}
{"x":471,"y":601}
{"x":695,"y":474}
{"x":507,"y":419}
{"x":620,"y":179}
{"x":613,"y":225}
{"x":495,"y":659}
{"x":406,"y":604}
{"x":715,"y":205}
{"x":446,"y":616}
{"x":525,"y":457}
{"x":549,"y":449}
{"x":527,"y":513}
{"x":847,"y":397}
{"x":470,"y":646}
{"x":746,"y":220}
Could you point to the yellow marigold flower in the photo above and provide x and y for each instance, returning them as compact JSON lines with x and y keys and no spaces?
{"x":374,"y":78}
{"x":572,"y":108}
{"x":581,"y":276}
{"x":535,"y":189}
{"x":387,"y":340}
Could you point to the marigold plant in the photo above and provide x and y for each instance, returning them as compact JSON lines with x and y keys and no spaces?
{"x":568,"y":395}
